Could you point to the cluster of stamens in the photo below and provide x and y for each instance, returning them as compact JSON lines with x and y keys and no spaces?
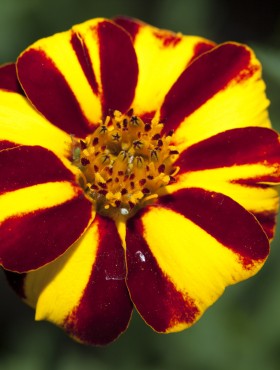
{"x":124,"y":163}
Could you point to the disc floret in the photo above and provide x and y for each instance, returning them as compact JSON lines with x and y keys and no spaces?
{"x":124,"y":163}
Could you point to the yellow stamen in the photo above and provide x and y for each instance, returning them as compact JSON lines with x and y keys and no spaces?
{"x":124,"y":163}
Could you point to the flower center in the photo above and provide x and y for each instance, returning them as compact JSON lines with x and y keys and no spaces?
{"x":124,"y":163}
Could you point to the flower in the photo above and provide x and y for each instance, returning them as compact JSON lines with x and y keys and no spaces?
{"x":137,"y":170}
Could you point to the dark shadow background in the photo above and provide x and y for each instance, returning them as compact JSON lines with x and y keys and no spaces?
{"x":242,"y":330}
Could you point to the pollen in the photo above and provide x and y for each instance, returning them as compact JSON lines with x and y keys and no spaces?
{"x":124,"y":163}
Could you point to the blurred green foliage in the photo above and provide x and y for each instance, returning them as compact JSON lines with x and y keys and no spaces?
{"x":242,"y":330}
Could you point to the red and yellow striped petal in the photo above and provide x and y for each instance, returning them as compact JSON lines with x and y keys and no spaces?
{"x":22,"y":125}
{"x":183,"y":252}
{"x":84,"y":290}
{"x":241,"y":163}
{"x":42,"y":211}
{"x":74,"y":78}
{"x":162,"y":57}
{"x":219,"y":91}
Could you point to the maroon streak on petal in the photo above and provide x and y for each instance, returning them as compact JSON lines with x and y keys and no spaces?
{"x":119,"y":68}
{"x":168,"y":39}
{"x":105,"y":307}
{"x":30,"y":165}
{"x":239,"y":146}
{"x":153,"y":294}
{"x":31,"y":240}
{"x":82,"y":54}
{"x":201,"y":48}
{"x":50,"y":93}
{"x":16,"y":281}
{"x":5,"y":144}
{"x":8,"y":79}
{"x":264,"y":181}
{"x":147,"y":116}
{"x":202,"y":79}
{"x":223,"y":218}
{"x":130,"y":25}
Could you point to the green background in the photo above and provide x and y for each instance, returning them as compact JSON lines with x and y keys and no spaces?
{"x":242,"y":330}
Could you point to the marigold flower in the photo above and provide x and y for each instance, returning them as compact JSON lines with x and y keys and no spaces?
{"x":137,"y":170}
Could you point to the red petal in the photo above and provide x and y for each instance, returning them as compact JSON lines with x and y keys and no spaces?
{"x":129,"y":24}
{"x":154,"y":295}
{"x":246,"y":145}
{"x":31,"y":240}
{"x":29,"y":165}
{"x":48,"y":90}
{"x":119,"y":68}
{"x":208,"y":74}
{"x":223,"y":218}
{"x":105,"y":308}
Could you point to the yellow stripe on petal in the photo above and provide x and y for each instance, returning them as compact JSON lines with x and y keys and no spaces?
{"x":35,"y":197}
{"x":183,"y":251}
{"x":197,"y":264}
{"x":162,"y":57}
{"x":84,"y":291}
{"x":198,"y":261}
{"x":20,"y":123}
{"x":40,"y":222}
{"x":223,"y":180}
{"x":52,"y":290}
{"x":87,"y":32}
{"x":121,"y":228}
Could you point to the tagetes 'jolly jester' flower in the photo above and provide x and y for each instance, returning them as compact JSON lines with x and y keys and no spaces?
{"x":137,"y":169}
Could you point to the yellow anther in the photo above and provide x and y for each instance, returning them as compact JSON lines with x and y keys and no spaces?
{"x":118,"y":116}
{"x":136,"y":196}
{"x":99,"y":178}
{"x":115,"y":136}
{"x":103,"y":130}
{"x":105,"y":159}
{"x":151,"y":197}
{"x":120,"y":163}
{"x":175,"y":171}
{"x":136,"y":121}
{"x":113,"y":198}
{"x":154,"y":155}
{"x":139,"y":161}
{"x":137,"y":144}
{"x":123,"y":156}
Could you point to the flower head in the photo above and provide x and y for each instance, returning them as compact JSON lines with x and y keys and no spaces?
{"x":137,"y":170}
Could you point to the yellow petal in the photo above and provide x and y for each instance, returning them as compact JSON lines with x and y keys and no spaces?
{"x":183,"y":252}
{"x":59,"y":49}
{"x":20,"y":123}
{"x":52,"y":290}
{"x":35,"y":197}
{"x":239,"y":105}
{"x":84,"y":291}
{"x":40,"y":222}
{"x":162,"y":56}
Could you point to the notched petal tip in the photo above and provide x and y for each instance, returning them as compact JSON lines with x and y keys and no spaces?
{"x":9,"y":80}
